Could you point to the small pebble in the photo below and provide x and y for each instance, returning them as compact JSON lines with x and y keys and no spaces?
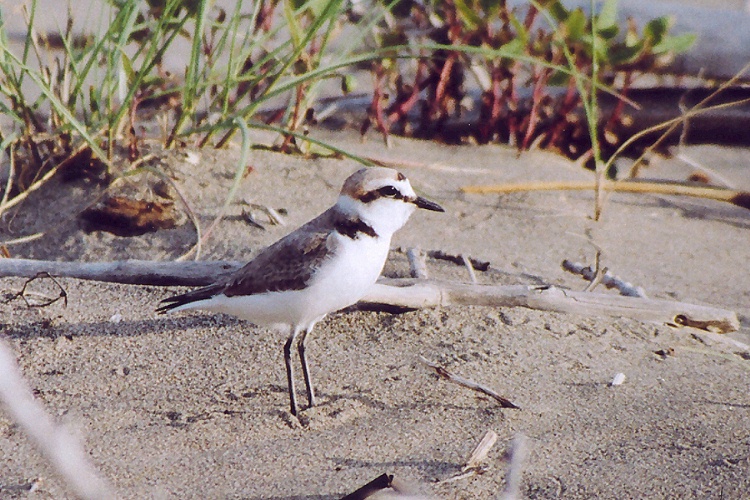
{"x":618,"y":379}
{"x":192,"y":158}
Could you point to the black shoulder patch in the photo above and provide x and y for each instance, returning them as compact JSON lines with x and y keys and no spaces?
{"x":352,"y":228}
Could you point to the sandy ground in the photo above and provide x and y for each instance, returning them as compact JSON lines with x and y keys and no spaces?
{"x":195,"y":406}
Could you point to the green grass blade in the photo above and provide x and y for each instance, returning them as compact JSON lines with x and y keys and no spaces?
{"x":63,"y":110}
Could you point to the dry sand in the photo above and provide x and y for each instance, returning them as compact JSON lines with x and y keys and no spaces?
{"x":195,"y":406}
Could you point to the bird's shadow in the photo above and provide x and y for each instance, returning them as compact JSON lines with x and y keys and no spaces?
{"x":124,"y":328}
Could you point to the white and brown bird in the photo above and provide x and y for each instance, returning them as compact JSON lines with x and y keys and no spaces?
{"x":325,"y":265}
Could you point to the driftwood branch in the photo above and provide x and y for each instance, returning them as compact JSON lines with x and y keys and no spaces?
{"x":416,"y":294}
{"x":129,"y":272}
{"x":390,"y":294}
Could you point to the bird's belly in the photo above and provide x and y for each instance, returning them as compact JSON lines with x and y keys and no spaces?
{"x":291,"y":307}
{"x":340,"y":282}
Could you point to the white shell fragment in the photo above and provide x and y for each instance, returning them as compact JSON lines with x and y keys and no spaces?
{"x":618,"y":379}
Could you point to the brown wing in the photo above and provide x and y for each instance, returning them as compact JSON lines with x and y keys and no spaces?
{"x":288,"y":264}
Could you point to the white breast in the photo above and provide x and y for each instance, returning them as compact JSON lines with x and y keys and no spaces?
{"x":351,"y":271}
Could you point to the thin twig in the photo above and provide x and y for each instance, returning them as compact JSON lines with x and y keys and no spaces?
{"x":441,"y":167}
{"x":479,"y":454}
{"x":11,"y":175}
{"x":38,"y":183}
{"x":474,"y":465}
{"x":671,"y":125}
{"x":22,"y":239}
{"x":599,"y":272}
{"x":469,"y":268}
{"x":273,"y":215}
{"x":46,"y":300}
{"x":606,"y":278}
{"x":469,"y":384}
{"x":381,"y":482}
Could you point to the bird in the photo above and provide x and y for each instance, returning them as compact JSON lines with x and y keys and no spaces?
{"x":325,"y":265}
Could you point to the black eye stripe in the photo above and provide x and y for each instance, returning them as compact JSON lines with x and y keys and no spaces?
{"x":383,"y":192}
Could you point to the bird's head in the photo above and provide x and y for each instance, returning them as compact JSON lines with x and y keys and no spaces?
{"x":382,"y":197}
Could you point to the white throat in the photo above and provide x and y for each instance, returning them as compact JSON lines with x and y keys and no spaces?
{"x":384,"y":215}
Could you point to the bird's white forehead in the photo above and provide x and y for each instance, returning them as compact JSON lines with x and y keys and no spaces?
{"x":370,"y":179}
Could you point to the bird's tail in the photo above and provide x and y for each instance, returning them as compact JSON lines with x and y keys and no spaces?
{"x":186,"y":298}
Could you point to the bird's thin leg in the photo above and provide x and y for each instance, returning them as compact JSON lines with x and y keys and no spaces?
{"x":305,"y":368}
{"x":289,"y":371}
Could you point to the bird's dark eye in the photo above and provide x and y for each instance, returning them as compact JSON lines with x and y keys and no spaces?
{"x":389,"y":191}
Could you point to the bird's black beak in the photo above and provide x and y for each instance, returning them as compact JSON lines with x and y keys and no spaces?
{"x":428,"y":205}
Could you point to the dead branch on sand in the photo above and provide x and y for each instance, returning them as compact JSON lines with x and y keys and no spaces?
{"x":402,"y":294}
{"x":129,"y":272}
{"x":475,"y":464}
{"x":459,"y":260}
{"x":469,"y":384}
{"x":416,"y":294}
{"x":385,"y":486}
{"x":604,"y":277}
{"x":380,"y":483}
{"x":40,"y":300}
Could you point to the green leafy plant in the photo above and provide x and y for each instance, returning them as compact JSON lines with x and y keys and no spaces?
{"x":82,"y":108}
{"x":74,"y":105}
{"x":544,"y":48}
